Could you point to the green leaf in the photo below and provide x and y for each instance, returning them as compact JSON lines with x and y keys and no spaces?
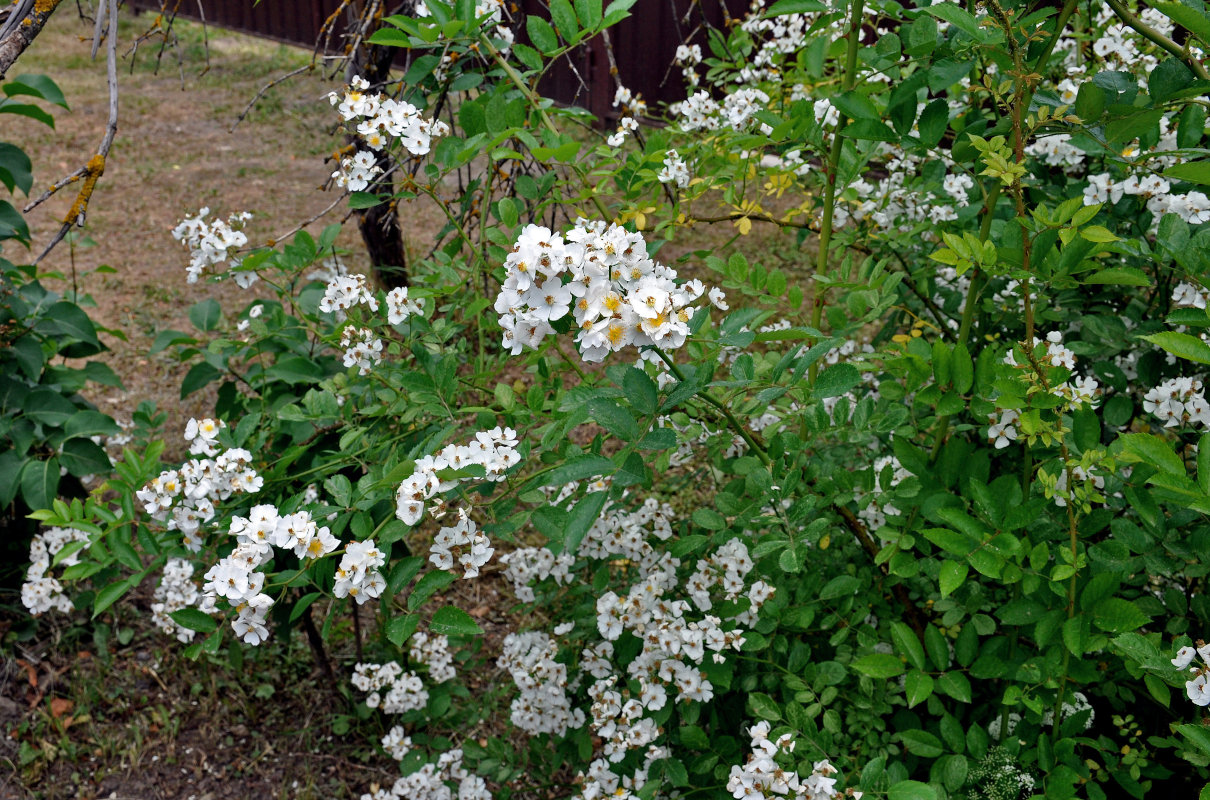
{"x":12,"y":224}
{"x":82,"y":457}
{"x":919,"y":686}
{"x":908,"y":644}
{"x":48,"y":407}
{"x":953,"y":573}
{"x":206,"y":314}
{"x":198,"y":376}
{"x":1167,"y":79}
{"x":400,"y":628}
{"x":564,"y":17}
{"x":835,"y":381}
{"x":911,"y":790}
{"x":764,"y":706}
{"x":640,"y":391}
{"x":933,"y":122}
{"x":1181,"y":345}
{"x":453,"y":621}
{"x":1193,"y":171}
{"x":840,"y":586}
{"x":38,"y":86}
{"x":391,"y":37}
{"x":589,"y":12}
{"x":922,"y":743}
{"x":40,"y":483}
{"x":960,"y":18}
{"x":427,"y":586}
{"x":783,"y":7}
{"x":956,"y":685}
{"x":1132,"y":127}
{"x":1090,"y":102}
{"x":710,"y":519}
{"x":90,"y":423}
{"x":194,"y":620}
{"x":578,"y":468}
{"x":358,"y":200}
{"x":582,"y":518}
{"x":879,"y":665}
{"x":541,"y":34}
{"x":614,"y":418}
{"x":1152,"y":450}
{"x":1119,"y":276}
{"x":15,"y":168}
{"x":1117,"y":615}
{"x":28,"y":110}
{"x":70,"y":319}
{"x":110,"y":595}
{"x":1190,"y":19}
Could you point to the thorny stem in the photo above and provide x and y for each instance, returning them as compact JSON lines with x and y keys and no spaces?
{"x":829,"y":201}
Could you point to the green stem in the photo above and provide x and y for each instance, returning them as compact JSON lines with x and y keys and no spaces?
{"x":1123,"y":13}
{"x":829,"y":201}
{"x":722,"y":408}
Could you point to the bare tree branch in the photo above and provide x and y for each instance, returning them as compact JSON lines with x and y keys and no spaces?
{"x":21,"y":27}
{"x":91,"y":172}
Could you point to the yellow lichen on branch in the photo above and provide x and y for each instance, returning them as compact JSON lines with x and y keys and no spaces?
{"x":92,"y":173}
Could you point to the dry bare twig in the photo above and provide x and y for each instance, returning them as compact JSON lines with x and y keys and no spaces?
{"x":91,"y":172}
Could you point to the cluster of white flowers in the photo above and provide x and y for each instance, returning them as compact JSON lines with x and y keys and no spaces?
{"x":432,"y":782}
{"x":42,"y":592}
{"x":345,"y":291}
{"x":362,"y":349}
{"x":602,"y":783}
{"x":675,"y":170}
{"x":631,"y":103}
{"x":1197,"y":687}
{"x":388,"y":687}
{"x":1062,"y":495}
{"x":761,"y":776}
{"x":1002,"y":431}
{"x":688,"y":56}
{"x":526,"y":565}
{"x":617,"y":295}
{"x":433,"y":650}
{"x":626,"y":126}
{"x":490,"y":12}
{"x":357,"y":171}
{"x":461,"y":545}
{"x":395,"y":691}
{"x":177,"y":590}
{"x":1192,"y":207}
{"x":543,"y":705}
{"x":1178,"y":401}
{"x":1057,"y":150}
{"x":1189,"y":295}
{"x":494,"y":450}
{"x":209,"y":244}
{"x":235,"y":577}
{"x":701,"y":112}
{"x":1076,"y":390}
{"x":358,"y":576}
{"x":190,"y":492}
{"x":380,"y":119}
{"x":875,"y":512}
{"x":397,"y":743}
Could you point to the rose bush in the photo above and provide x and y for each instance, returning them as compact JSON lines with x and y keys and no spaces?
{"x":908,"y":501}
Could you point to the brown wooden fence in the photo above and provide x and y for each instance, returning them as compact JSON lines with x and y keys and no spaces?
{"x":643,"y":45}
